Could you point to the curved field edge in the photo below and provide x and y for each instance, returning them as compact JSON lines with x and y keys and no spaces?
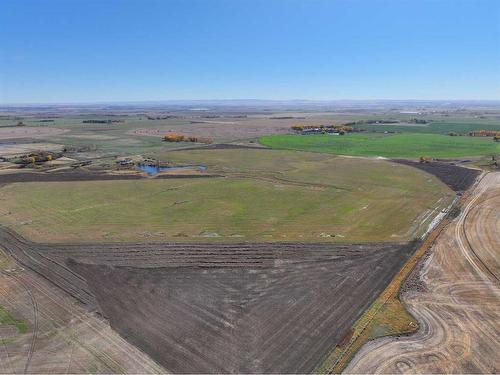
{"x":405,"y":145}
{"x":387,"y":316}
{"x":268,"y":196}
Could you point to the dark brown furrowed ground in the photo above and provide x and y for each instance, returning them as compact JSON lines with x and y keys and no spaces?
{"x":456,"y":177}
{"x":206,"y":308}
{"x":8,"y":178}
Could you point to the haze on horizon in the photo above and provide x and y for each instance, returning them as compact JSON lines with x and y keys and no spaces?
{"x":128,"y":51}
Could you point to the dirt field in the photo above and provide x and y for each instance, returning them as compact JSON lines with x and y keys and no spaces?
{"x":29,"y":132}
{"x":12,"y":149}
{"x":61,"y":336}
{"x":10,"y":177}
{"x":457,"y":178}
{"x":229,"y":130}
{"x":237,"y":308}
{"x":457,"y":300}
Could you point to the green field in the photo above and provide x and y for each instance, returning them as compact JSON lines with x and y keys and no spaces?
{"x":393,"y":146}
{"x":463,"y":126}
{"x":266,"y":196}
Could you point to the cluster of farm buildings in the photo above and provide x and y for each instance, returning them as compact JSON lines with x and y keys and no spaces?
{"x":324,"y":129}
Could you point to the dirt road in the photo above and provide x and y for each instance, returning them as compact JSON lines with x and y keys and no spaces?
{"x":457,"y":301}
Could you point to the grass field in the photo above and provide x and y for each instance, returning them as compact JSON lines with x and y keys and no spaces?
{"x":280,"y":196}
{"x":394,"y":146}
{"x":463,"y":126}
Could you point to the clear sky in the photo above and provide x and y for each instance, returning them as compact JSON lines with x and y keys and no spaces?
{"x":134,"y":50}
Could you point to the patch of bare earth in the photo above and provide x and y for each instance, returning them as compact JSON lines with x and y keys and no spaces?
{"x":29,"y":132}
{"x":62,"y":336}
{"x":457,"y":299}
{"x":456,"y":177}
{"x":225,"y":308}
{"x":9,"y":150}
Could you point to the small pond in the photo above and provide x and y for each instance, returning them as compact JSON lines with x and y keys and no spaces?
{"x":153,"y":169}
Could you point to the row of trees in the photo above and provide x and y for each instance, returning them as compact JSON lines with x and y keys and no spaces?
{"x":35,"y":157}
{"x":485,"y":133}
{"x":102,"y":121}
{"x":175,"y":137}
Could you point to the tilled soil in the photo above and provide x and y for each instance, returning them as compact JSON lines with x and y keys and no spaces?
{"x":61,"y":336}
{"x":7,"y":178}
{"x":29,"y":132}
{"x":204,"y":308}
{"x":456,"y":177}
{"x":458,"y":303}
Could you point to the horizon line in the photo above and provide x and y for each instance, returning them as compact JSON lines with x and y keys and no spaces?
{"x":178,"y":101}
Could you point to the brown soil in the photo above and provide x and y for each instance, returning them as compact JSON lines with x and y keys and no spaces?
{"x":61,"y":336}
{"x":456,"y":177}
{"x":456,"y":301}
{"x":6,"y":178}
{"x":11,"y":149}
{"x":29,"y":132}
{"x":63,"y":176}
{"x":222,"y":308}
{"x":230,"y":130}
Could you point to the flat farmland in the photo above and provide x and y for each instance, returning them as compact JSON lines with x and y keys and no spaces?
{"x":457,"y":178}
{"x":224,"y":308}
{"x":48,"y":332}
{"x":462,"y":126}
{"x":387,"y":145}
{"x":265,"y":267}
{"x":455,"y":296}
{"x":265,"y":196}
{"x":15,"y":132}
{"x":279,"y":319}
{"x":136,"y":134}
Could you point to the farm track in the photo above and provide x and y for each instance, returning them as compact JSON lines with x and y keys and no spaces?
{"x":457,"y":303}
{"x":248,"y":307}
{"x":35,"y":323}
{"x":35,"y":328}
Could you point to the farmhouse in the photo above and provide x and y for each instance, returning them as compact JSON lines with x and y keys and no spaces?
{"x":125,"y":162}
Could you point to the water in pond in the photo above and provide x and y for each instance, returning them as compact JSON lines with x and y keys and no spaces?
{"x":153,"y":169}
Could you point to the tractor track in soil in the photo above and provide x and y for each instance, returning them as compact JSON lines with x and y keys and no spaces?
{"x":458,"y":302}
{"x":34,"y":303}
{"x":469,"y":242}
{"x":246,"y":307}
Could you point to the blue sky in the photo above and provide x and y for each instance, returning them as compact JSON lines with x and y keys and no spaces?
{"x":110,"y":50}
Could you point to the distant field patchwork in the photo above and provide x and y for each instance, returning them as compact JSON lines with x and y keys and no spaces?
{"x":462,"y":126}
